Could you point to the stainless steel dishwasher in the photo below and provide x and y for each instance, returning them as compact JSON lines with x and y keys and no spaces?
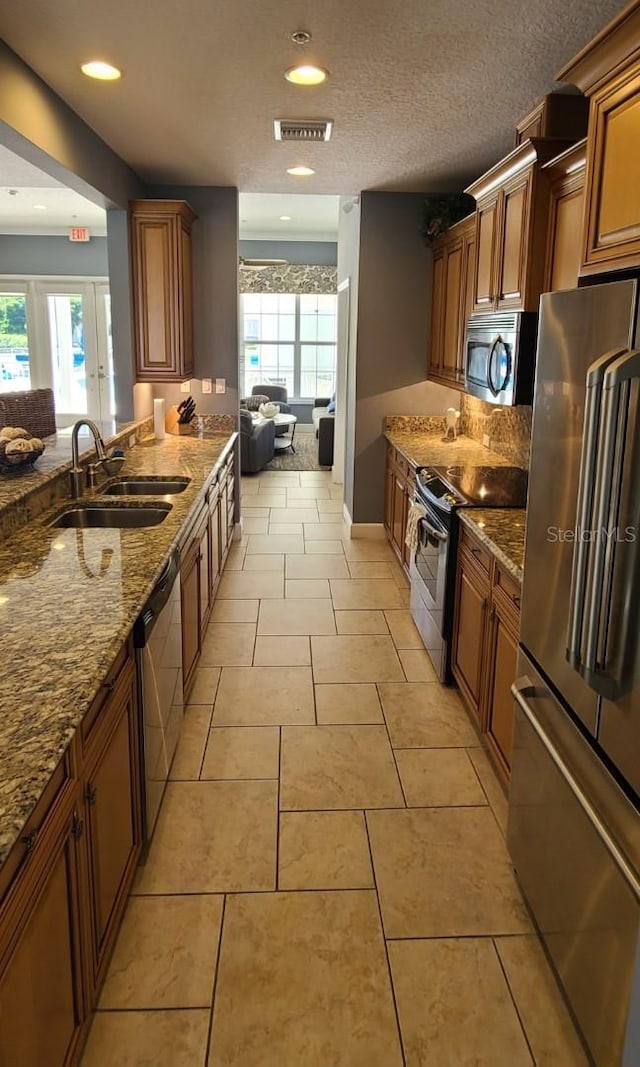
{"x":157,"y":637}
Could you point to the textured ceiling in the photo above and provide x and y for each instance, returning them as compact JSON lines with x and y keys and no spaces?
{"x":424,"y":93}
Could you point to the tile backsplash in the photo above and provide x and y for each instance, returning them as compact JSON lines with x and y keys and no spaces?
{"x":508,"y":429}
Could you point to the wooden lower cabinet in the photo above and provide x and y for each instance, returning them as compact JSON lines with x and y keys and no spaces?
{"x":202,"y":558}
{"x":399,"y":487}
{"x":112,"y":814}
{"x":42,"y":1004}
{"x":64,"y":886}
{"x":485,"y":644}
{"x":472,"y":597}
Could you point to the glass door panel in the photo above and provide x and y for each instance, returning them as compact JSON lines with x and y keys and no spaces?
{"x":15,"y":368}
{"x":65,"y":312}
{"x":105,"y":372}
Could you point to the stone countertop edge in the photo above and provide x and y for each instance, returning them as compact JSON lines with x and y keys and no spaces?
{"x":424,"y":449}
{"x":68,"y":601}
{"x":502,"y":530}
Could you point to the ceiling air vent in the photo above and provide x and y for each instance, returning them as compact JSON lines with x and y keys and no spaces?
{"x":302,"y":129}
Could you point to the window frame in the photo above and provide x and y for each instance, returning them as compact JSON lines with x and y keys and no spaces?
{"x":297,"y":343}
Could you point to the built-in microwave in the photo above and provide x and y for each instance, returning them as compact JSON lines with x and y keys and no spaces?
{"x":500,"y":355}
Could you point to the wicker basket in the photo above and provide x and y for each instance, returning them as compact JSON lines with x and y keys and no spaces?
{"x":34,"y":409}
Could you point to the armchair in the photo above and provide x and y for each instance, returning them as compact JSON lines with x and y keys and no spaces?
{"x":256,"y":443}
{"x":277,"y":394}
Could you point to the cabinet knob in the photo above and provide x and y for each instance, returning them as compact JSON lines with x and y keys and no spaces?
{"x":516,"y":601}
{"x":91,"y":793}
{"x":476,"y":551}
{"x":77,"y":826}
{"x":109,"y":685}
{"x":29,"y":840}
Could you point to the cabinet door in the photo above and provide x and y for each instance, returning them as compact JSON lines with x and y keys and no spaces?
{"x":452,"y":312}
{"x":41,"y":1012}
{"x":389,"y":482}
{"x":162,"y":289}
{"x":565,"y":234}
{"x":214,"y":541}
{"x":467,"y":297}
{"x":613,"y":176}
{"x":486,"y":238}
{"x":472,"y":592}
{"x":203,"y":536}
{"x":437,"y":314}
{"x":190,"y":608}
{"x":513,"y":242}
{"x":502,"y":666}
{"x":399,"y":514}
{"x":112,"y":794}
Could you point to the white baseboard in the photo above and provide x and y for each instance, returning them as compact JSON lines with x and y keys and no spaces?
{"x":237,"y":531}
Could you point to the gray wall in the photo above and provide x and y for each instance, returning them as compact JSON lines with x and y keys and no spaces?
{"x":348,"y":270}
{"x":311,"y":253}
{"x":53,"y":255}
{"x":215,"y":296}
{"x":392,"y":335}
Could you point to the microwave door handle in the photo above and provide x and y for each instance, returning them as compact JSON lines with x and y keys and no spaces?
{"x":492,"y":353}
{"x":616,"y":392}
{"x":585,"y":502}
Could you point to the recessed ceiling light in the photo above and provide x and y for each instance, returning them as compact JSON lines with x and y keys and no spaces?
{"x":102,"y":71}
{"x":306,"y":74}
{"x":285,"y":218}
{"x":300,"y":172}
{"x":40,"y":207}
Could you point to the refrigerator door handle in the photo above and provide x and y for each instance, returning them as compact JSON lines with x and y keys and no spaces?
{"x":616,"y":391}
{"x":585,"y":503}
{"x":523,"y":690}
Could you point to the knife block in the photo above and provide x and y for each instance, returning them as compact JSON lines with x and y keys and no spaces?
{"x":172,"y":425}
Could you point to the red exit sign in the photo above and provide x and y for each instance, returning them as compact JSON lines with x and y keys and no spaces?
{"x":79,"y":233}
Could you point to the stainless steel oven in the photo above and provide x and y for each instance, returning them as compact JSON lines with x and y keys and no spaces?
{"x":500,"y":357}
{"x":441,"y":491}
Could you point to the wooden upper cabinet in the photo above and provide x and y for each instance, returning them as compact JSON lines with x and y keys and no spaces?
{"x":561,"y":115}
{"x":564,"y":245}
{"x":452,"y":272}
{"x":486,"y":234}
{"x":161,"y":260}
{"x":608,"y":72}
{"x":511,"y":228}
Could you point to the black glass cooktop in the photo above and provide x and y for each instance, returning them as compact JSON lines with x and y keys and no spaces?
{"x":482,"y":487}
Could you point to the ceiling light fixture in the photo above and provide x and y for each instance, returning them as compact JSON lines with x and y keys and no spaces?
{"x":301,"y":37}
{"x":306,"y":74}
{"x":40,"y":207}
{"x":300,"y":172}
{"x":104,"y":72}
{"x":285,"y":218}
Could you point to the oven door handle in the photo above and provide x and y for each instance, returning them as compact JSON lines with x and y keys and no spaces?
{"x":438,"y":534}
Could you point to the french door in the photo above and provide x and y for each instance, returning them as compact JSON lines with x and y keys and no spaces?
{"x":67,"y":345}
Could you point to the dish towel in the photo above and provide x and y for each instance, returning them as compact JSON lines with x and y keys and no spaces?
{"x":412,"y":538}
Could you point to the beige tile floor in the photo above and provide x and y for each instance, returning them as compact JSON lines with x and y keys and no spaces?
{"x":329,"y":884}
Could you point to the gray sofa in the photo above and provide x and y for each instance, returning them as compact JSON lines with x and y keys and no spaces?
{"x":324,"y":425}
{"x":256,"y":443}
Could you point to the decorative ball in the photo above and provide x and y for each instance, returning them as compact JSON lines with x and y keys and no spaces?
{"x":269,"y":411}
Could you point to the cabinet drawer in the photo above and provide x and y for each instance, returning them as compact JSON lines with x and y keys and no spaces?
{"x":480,"y":554}
{"x":35,"y":824}
{"x":508,"y":585}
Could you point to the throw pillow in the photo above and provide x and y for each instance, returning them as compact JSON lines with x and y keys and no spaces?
{"x":331,"y":406}
{"x":252,"y":403}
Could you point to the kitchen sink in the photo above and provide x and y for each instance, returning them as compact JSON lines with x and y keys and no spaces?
{"x":111,"y":516}
{"x":151,"y":485}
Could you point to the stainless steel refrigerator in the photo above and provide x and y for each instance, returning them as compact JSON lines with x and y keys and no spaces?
{"x":574,"y":823}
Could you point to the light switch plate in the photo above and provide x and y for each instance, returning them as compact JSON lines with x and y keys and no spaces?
{"x":206,"y":385}
{"x":486,"y":440}
{"x":185,"y":387}
{"x":221,"y":385}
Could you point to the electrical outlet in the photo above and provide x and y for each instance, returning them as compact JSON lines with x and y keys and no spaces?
{"x":185,"y":387}
{"x":206,"y":385}
{"x":132,"y":441}
{"x":221,"y":385}
{"x":486,"y":440}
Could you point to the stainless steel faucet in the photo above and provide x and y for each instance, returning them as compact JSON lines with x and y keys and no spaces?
{"x":77,"y":472}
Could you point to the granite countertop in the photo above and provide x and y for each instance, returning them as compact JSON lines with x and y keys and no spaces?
{"x":68,"y":601}
{"x":430,"y":449}
{"x":502,"y":530}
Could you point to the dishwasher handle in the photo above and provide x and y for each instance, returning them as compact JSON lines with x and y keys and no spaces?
{"x":156,"y":602}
